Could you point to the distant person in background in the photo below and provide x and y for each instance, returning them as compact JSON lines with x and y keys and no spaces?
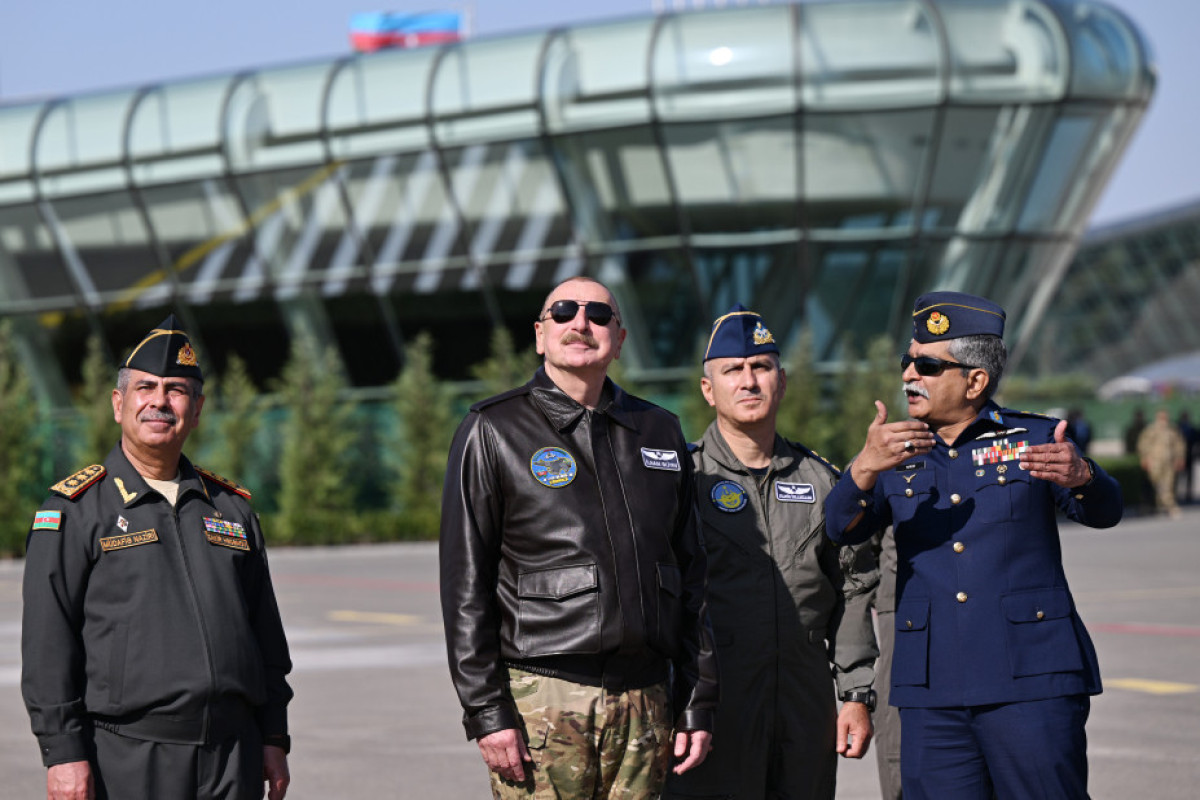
{"x":1191,"y":444}
{"x":1079,"y":430}
{"x":1161,"y":451}
{"x":1133,"y":430}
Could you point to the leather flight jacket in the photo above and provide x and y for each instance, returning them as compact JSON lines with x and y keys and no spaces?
{"x":570,"y":548}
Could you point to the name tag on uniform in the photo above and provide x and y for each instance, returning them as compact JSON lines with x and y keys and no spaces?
{"x":795,"y":492}
{"x":108,"y":543}
{"x":660,"y":459}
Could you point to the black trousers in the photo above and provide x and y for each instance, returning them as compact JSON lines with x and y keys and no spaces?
{"x":134,"y":769}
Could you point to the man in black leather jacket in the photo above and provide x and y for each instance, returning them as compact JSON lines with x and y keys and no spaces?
{"x":572,"y":575}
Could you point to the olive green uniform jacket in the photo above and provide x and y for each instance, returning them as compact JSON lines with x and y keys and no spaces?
{"x":154,"y":622}
{"x":785,"y":601}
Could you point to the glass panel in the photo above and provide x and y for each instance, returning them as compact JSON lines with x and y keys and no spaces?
{"x":178,"y":117}
{"x":106,"y":240}
{"x":274,"y":118}
{"x":485,"y":90}
{"x":1005,"y":51}
{"x":1109,"y":56}
{"x":83,"y":131}
{"x":585,"y":87}
{"x":855,"y":296}
{"x":733,"y":63}
{"x":385,"y":93}
{"x":32,"y":276}
{"x":880,"y":54}
{"x":660,"y":302}
{"x":16,"y":131}
{"x":1053,"y":200}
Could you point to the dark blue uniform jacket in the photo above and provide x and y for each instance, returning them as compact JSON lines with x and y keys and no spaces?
{"x":983,"y":611}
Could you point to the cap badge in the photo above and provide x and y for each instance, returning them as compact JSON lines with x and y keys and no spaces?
{"x":553,"y":467}
{"x":762,"y":335}
{"x":938,"y":323}
{"x":728,"y":496}
{"x":187,"y":356}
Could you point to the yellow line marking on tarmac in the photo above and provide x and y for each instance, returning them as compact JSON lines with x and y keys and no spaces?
{"x":378,"y":618}
{"x":1151,"y":687}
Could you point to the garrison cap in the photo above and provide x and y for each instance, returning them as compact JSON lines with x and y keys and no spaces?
{"x":166,"y":352}
{"x":952,"y":315}
{"x":740,"y":333}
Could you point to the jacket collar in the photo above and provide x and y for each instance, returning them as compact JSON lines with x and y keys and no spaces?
{"x":132,"y":487}
{"x":563,"y":411}
{"x":718,"y":449}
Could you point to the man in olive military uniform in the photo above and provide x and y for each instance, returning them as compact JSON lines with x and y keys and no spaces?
{"x":1161,"y":451}
{"x":992,"y":668}
{"x":154,"y":658}
{"x":784,"y":600}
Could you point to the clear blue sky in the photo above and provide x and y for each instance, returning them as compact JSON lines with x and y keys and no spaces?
{"x":56,"y":47}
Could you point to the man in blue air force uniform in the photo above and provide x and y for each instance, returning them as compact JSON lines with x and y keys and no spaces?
{"x":993,"y":668}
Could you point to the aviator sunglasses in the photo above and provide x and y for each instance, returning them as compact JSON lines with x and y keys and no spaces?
{"x":597,"y":313}
{"x":928,"y":366}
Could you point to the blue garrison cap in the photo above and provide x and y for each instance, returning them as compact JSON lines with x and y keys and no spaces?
{"x":952,"y":315}
{"x":740,"y":333}
{"x":166,"y":352}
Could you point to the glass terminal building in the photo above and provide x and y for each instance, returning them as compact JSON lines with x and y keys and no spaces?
{"x":821,"y":163}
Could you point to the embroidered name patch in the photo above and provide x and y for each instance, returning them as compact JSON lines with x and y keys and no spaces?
{"x":224,"y":527}
{"x":226,"y":541}
{"x":795,"y":492}
{"x":910,"y":466}
{"x":1002,"y":450}
{"x":553,"y":467}
{"x":660,"y":459}
{"x":728,"y":496}
{"x":47,"y":520}
{"x":108,"y":543}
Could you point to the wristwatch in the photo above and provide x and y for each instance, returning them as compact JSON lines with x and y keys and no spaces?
{"x":864,"y":696}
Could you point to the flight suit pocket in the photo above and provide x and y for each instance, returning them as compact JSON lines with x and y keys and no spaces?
{"x":1040,"y":632}
{"x":910,"y":659}
{"x":558,"y":611}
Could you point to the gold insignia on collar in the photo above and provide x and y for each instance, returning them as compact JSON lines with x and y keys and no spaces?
{"x":126,"y":496}
{"x":938,"y":323}
{"x":187,"y":356}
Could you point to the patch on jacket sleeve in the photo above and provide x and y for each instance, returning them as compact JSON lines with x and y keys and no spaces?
{"x":76,"y":484}
{"x":228,"y":484}
{"x":660,"y":459}
{"x":45,"y":520}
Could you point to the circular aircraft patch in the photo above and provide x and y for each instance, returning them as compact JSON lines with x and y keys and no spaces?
{"x":553,"y":467}
{"x":728,"y":496}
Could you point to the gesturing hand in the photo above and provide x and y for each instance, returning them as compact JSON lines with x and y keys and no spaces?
{"x":1058,"y":462}
{"x":888,"y":445}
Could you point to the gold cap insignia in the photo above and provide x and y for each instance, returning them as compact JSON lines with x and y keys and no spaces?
{"x":762,"y":335}
{"x":187,"y":356}
{"x":938,"y":323}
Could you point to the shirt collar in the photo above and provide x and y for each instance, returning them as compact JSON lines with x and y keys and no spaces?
{"x":563,"y":411}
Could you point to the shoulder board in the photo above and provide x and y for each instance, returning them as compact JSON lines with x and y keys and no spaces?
{"x":1035,"y":415}
{"x":228,"y":484}
{"x":75,"y":485}
{"x":499,"y":398}
{"x":814,"y":454}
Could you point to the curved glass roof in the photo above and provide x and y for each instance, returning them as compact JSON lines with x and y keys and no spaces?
{"x":822,"y":162}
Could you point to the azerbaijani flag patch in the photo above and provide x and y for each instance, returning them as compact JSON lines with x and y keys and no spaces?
{"x":47,"y":520}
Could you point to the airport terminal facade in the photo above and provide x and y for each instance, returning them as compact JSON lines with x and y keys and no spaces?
{"x":821,"y":163}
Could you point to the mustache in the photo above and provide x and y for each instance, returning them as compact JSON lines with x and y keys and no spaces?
{"x":575,"y":336}
{"x":155,"y":415}
{"x":912,"y":387}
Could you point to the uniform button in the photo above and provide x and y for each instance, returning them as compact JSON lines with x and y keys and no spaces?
{"x":1002,"y":480}
{"x":1079,"y":497}
{"x":1041,"y":615}
{"x":961,"y":597}
{"x":959,"y":547}
{"x":953,"y":453}
{"x":908,"y":492}
{"x":955,"y":499}
{"x":862,"y":503}
{"x":908,"y":623}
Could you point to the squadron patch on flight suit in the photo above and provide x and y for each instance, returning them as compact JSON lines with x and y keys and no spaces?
{"x":660,"y":459}
{"x":795,"y":492}
{"x":47,"y":521}
{"x":553,"y":467}
{"x":77,"y":483}
{"x":728,"y":496}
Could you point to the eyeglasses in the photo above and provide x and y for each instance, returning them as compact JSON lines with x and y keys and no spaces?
{"x":563,"y":311}
{"x":928,"y":366}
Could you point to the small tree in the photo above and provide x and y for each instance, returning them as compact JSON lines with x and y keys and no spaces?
{"x":800,"y":414}
{"x":426,"y":427}
{"x":695,"y":414}
{"x":94,"y":405}
{"x":314,"y":497}
{"x":238,"y":417}
{"x":504,"y":368}
{"x":19,"y":493}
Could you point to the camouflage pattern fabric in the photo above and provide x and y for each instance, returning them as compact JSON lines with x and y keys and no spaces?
{"x":588,"y":742}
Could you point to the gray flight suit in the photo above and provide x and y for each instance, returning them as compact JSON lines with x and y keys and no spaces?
{"x":886,"y":717}
{"x":785,"y":602}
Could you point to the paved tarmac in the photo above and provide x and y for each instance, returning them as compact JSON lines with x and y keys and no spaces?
{"x":375,"y":716}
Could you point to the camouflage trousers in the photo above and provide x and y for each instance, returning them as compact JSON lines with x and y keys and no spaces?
{"x":588,"y":743}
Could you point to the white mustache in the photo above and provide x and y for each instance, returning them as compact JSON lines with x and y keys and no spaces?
{"x":912,"y":387}
{"x":153,"y":415}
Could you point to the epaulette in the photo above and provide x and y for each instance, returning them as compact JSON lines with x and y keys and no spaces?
{"x":491,"y":401}
{"x":228,"y":484}
{"x":1018,"y":413}
{"x":837,"y":472}
{"x":78,"y":483}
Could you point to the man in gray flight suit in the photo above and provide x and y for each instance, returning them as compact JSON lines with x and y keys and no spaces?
{"x":783,"y":602}
{"x":153,"y":656}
